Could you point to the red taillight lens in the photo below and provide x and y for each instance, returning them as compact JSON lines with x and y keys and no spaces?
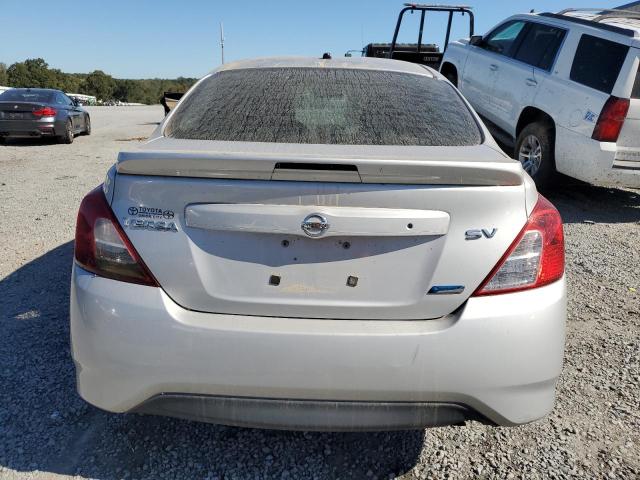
{"x":611,"y":119}
{"x":534,"y":259}
{"x":103,"y":248}
{"x":45,"y":112}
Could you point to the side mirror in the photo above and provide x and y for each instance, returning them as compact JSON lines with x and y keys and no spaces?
{"x":476,"y":40}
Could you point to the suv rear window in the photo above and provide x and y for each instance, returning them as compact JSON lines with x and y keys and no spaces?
{"x":597,"y":63}
{"x":325,"y":106}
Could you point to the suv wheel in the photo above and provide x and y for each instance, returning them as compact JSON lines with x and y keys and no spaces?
{"x":534,"y":150}
{"x":68,"y":133}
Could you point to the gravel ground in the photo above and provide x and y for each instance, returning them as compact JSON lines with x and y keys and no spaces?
{"x":47,"y":431}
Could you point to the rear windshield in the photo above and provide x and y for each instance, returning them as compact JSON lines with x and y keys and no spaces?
{"x":15,"y":95}
{"x":598,"y":62}
{"x":325,"y":106}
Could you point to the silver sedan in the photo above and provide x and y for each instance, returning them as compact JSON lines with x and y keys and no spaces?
{"x":320,"y":244}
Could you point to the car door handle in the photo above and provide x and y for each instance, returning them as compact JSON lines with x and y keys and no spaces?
{"x":493,"y":67}
{"x":531,"y":82}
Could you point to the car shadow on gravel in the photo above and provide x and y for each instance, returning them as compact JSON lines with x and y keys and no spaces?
{"x":46,"y":427}
{"x":580,"y":202}
{"x":31,"y":142}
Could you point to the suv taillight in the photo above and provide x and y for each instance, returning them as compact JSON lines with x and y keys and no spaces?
{"x":611,"y":119}
{"x":103,"y":248}
{"x":534,"y":259}
{"x":45,"y":112}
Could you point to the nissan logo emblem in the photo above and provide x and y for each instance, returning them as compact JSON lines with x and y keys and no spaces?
{"x":315,"y":225}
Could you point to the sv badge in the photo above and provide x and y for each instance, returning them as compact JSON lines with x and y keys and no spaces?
{"x":478,"y":234}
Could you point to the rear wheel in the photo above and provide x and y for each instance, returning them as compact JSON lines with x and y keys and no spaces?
{"x":67,"y":137}
{"x":87,"y":128}
{"x":535,"y":151}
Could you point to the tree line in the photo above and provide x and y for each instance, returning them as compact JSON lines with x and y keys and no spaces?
{"x":35,"y":73}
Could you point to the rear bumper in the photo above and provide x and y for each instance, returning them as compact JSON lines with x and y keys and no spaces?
{"x":45,"y":127}
{"x":498,"y":357}
{"x":309,"y":415}
{"x":596,"y":162}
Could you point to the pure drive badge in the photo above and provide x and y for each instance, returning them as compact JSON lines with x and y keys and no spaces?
{"x":154,"y":225}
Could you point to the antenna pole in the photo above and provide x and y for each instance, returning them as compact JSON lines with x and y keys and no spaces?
{"x":222,"y":42}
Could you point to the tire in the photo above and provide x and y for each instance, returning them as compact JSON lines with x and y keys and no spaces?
{"x":535,"y":151}
{"x":67,"y":137}
{"x":3,"y":141}
{"x":87,"y":129}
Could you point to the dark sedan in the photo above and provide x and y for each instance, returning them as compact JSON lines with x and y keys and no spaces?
{"x":40,"y":112}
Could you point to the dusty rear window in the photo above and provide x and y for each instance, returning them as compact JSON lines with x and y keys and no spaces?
{"x":325,"y":106}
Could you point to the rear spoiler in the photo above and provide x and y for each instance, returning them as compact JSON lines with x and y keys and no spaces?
{"x":253,"y":166}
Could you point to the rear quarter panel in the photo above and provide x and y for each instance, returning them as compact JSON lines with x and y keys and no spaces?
{"x":572,"y":106}
{"x":575,"y":109}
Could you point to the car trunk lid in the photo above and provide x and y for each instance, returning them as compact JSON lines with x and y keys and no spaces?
{"x":223,"y":234}
{"x":18,"y":110}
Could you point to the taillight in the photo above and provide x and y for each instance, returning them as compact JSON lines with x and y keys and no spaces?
{"x":534,"y":259}
{"x":45,"y":112}
{"x":103,"y":248}
{"x":611,"y":120}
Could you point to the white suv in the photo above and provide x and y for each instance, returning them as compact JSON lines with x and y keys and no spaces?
{"x":562,"y":88}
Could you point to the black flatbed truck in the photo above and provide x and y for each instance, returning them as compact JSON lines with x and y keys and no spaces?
{"x":424,"y":54}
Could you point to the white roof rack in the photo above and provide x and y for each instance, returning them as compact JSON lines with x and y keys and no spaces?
{"x":624,"y":22}
{"x":603,"y":13}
